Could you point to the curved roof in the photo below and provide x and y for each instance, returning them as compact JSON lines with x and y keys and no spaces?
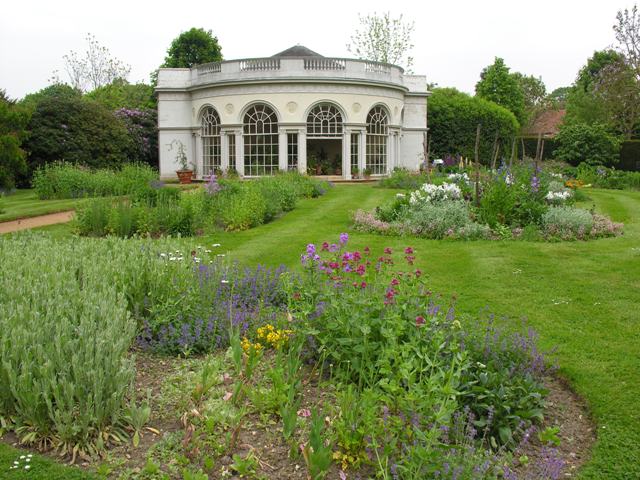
{"x":297,"y":51}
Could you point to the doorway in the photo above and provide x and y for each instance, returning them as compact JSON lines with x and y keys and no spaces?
{"x":324,"y":156}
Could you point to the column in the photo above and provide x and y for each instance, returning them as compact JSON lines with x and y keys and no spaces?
{"x":239,"y":153}
{"x":302,"y":151}
{"x":362,"y":157}
{"x":346,"y":154}
{"x":224,"y":145}
{"x":197,"y":159}
{"x":282,"y":150}
{"x":391,"y":152}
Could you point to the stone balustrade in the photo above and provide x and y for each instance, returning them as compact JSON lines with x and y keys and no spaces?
{"x":284,"y":68}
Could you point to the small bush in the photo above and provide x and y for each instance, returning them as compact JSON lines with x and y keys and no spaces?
{"x":403,"y":178}
{"x":567,"y":223}
{"x":444,"y":219}
{"x":592,"y":144}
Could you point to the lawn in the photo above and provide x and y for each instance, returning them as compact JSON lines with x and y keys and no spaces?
{"x":581,"y":297}
{"x":25,"y":204}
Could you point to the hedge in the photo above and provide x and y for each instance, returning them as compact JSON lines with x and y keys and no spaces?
{"x":454,"y":117}
{"x":630,"y":156}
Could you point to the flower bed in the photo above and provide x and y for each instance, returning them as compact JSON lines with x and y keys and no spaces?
{"x":402,"y":387}
{"x":228,"y":204}
{"x":519,"y":203}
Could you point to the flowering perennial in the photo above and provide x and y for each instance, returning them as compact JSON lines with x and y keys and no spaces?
{"x":430,"y":193}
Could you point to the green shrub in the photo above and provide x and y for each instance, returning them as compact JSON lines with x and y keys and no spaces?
{"x":592,"y":144}
{"x":443,"y":219}
{"x":454,"y":117}
{"x":73,"y":129}
{"x":403,"y":178}
{"x":567,"y":223}
{"x":64,"y":180}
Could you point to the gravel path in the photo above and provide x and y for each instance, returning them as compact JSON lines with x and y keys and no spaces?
{"x":34,"y":222}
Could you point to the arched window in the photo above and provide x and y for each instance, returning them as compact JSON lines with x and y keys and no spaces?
{"x":324,"y":121}
{"x":211,"y":146}
{"x":260,"y":141}
{"x":377,"y":137}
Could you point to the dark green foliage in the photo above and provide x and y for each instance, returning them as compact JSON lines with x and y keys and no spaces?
{"x":498,"y":85}
{"x":72,"y":129}
{"x":454,"y":117}
{"x":142,"y":126}
{"x":592,"y":144}
{"x":13,"y":120}
{"x":57,"y":90}
{"x":531,"y":144}
{"x":193,"y":47}
{"x":602,"y":177}
{"x":630,"y":155}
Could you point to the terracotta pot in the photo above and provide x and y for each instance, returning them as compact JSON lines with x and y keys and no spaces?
{"x":185,"y":176}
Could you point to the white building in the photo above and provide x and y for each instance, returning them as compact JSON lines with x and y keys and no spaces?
{"x":295,"y":110}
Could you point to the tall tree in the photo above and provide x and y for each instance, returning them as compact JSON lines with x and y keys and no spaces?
{"x":500,"y":86}
{"x":627,"y":31}
{"x":193,"y":47}
{"x":618,"y":90}
{"x":588,"y":74}
{"x":533,"y":89}
{"x":382,"y":38}
{"x":13,"y":121}
{"x":92,"y":68}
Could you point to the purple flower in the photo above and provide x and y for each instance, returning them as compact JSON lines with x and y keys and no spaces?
{"x":311,"y":249}
{"x":344,"y":238}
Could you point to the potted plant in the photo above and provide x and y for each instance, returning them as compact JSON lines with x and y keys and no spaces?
{"x":185,"y":174}
{"x":367,"y":173}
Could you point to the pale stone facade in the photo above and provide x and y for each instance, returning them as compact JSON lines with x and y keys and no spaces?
{"x":292,"y":111}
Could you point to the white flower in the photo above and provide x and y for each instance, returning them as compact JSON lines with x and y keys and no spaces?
{"x":224,"y":281}
{"x":215,"y":245}
{"x":221,"y":255}
{"x":207,"y":251}
{"x":400,"y":195}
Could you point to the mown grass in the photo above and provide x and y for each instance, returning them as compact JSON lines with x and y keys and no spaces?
{"x":25,"y":204}
{"x":582,"y":297}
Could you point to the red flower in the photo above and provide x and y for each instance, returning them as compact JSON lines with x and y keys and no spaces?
{"x":410,"y":259}
{"x":325,"y":246}
{"x":408,"y":250}
{"x":418,"y":273}
{"x":419,"y":320}
{"x":363,"y":285}
{"x":387,"y":250}
{"x":360,"y":270}
{"x":395,"y":282}
{"x":390,"y":294}
{"x":367,"y":250}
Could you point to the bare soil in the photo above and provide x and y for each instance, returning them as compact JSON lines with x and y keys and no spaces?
{"x":265,"y":441}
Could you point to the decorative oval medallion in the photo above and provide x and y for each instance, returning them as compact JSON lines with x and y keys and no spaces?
{"x":356,"y":107}
{"x":229,"y":108}
{"x":292,"y":107}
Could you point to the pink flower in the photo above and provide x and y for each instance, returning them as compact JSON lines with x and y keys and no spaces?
{"x":367,"y":250}
{"x":343,"y":476}
{"x":325,"y":246}
{"x":304,"y":413}
{"x":408,"y":250}
{"x":418,"y":273}
{"x":419,"y":320}
{"x":227,"y":396}
{"x":363,"y":285}
{"x":387,"y":250}
{"x":395,"y":282}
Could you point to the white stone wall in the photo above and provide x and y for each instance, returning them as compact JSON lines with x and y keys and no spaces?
{"x":180,"y":105}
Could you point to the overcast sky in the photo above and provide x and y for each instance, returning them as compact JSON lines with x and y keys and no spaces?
{"x":454,"y":39}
